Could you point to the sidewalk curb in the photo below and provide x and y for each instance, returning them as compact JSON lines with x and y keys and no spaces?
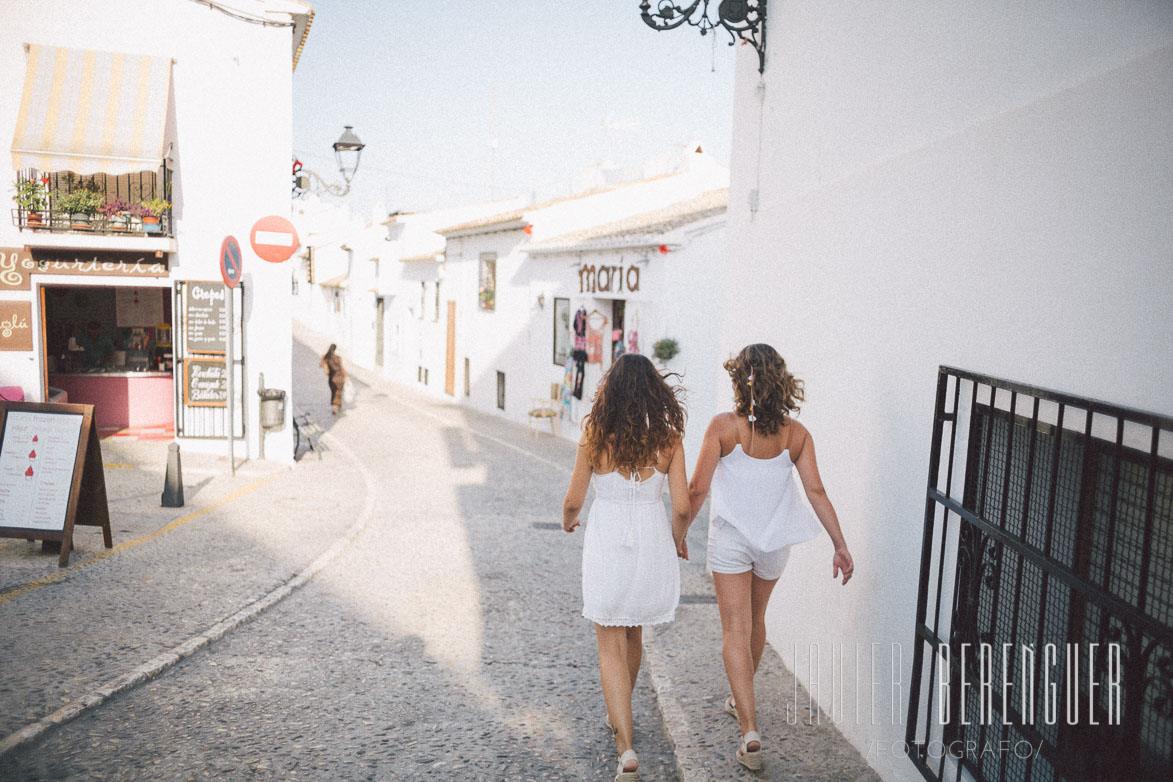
{"x":675,"y":718}
{"x":153,"y":668}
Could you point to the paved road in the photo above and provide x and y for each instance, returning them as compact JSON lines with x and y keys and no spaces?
{"x":444,"y":642}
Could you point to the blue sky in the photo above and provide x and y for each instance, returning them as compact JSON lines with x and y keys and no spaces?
{"x":568,"y":85}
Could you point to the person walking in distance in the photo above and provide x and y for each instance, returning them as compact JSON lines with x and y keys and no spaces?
{"x":336,"y":376}
{"x":748,"y":457}
{"x":631,"y":444}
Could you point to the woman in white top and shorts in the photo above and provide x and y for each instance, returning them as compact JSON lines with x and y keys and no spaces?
{"x":748,"y":458}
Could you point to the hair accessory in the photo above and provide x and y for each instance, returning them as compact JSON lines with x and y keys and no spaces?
{"x":752,"y":417}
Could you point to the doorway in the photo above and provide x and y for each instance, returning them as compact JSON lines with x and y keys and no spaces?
{"x":450,"y":357}
{"x":380,"y":310}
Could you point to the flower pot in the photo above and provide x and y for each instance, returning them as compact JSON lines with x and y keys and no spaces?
{"x":151,"y":224}
{"x":79,"y":221}
{"x":35,"y":220}
{"x":117,"y":222}
{"x":134,"y":224}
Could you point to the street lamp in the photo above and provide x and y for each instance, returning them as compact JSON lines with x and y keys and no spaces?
{"x":347,"y":151}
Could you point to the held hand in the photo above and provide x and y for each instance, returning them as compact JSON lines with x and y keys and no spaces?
{"x":569,"y":526}
{"x":842,"y":562}
{"x":682,"y":548}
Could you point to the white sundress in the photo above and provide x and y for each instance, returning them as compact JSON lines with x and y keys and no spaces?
{"x":630,"y":573}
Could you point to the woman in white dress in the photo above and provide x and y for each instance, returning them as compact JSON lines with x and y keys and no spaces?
{"x":749,"y":457}
{"x":631,"y":444}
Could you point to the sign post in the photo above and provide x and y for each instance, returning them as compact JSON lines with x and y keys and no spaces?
{"x":230,"y":270}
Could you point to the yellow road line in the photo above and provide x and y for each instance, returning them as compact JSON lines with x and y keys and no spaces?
{"x":60,"y":574}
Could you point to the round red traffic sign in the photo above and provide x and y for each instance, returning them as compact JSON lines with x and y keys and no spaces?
{"x":274,"y":239}
{"x":230,"y":261}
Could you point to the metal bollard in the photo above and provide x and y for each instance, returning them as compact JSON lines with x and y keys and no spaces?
{"x":173,"y":483}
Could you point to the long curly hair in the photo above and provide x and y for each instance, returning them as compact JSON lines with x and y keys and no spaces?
{"x":636,"y":415}
{"x":775,"y":392}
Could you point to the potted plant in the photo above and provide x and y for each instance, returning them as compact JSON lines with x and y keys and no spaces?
{"x":80,"y":205}
{"x":153,"y":211}
{"x":32,"y":197}
{"x":665,"y":349}
{"x":116,"y":215}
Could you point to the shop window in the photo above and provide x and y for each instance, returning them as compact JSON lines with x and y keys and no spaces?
{"x":500,"y":390}
{"x":487,"y":289}
{"x":561,"y":331}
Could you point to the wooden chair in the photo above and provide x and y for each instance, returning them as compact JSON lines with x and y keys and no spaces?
{"x":546,"y":409}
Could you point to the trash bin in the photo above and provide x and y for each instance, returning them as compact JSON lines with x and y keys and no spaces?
{"x":272,"y":408}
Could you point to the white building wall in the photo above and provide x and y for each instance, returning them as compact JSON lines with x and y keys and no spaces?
{"x":983,"y":185}
{"x":231,"y":126}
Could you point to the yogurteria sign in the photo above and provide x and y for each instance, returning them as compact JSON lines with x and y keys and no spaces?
{"x":16,"y":266}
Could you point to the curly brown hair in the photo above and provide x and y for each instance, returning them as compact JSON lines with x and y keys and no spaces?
{"x":636,"y":415}
{"x":776,"y":392}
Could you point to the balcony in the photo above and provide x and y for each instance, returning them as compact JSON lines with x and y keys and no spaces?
{"x":62,"y":208}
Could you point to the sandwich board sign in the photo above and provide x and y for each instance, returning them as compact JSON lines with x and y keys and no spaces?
{"x":51,"y":476}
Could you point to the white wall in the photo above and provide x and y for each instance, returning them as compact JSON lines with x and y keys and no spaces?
{"x":231,"y":127}
{"x":983,"y":185}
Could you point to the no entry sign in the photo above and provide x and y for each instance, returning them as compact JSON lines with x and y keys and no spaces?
{"x":230,"y":261}
{"x":274,"y":239}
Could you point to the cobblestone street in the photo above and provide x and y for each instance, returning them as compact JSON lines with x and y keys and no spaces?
{"x":407,"y":607}
{"x":443,"y":643}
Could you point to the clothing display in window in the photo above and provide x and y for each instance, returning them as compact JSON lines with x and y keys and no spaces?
{"x":596,"y":323}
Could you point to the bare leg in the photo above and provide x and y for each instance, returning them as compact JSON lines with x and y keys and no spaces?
{"x":635,"y":652}
{"x":760,"y":596}
{"x":734,"y":600}
{"x":615,"y":673}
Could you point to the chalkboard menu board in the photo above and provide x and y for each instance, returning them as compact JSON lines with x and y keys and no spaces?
{"x":206,"y":317}
{"x":205,"y":382}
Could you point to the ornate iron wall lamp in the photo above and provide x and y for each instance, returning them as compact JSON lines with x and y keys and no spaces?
{"x":347,"y":152}
{"x":744,"y":20}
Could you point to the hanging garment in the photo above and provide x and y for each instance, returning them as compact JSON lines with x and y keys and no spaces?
{"x":567,"y":391}
{"x":580,"y":329}
{"x":580,"y":358}
{"x":617,"y":348}
{"x":594,"y":346}
{"x":633,"y":342}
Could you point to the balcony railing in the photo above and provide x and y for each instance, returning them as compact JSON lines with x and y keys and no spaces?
{"x":116,"y":206}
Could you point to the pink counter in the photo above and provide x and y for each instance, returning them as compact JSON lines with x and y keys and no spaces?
{"x":122,"y":399}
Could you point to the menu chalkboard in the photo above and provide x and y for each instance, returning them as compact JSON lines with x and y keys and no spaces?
{"x":51,"y":474}
{"x":206,"y":317}
{"x":205,"y":382}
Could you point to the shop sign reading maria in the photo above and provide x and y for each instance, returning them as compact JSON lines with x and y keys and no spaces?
{"x":17,"y":264}
{"x":603,"y":279}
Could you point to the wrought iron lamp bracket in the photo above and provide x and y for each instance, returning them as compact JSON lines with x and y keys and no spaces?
{"x":302,"y":185}
{"x":744,"y":20}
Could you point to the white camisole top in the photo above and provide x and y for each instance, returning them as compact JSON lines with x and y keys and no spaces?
{"x":761,"y":498}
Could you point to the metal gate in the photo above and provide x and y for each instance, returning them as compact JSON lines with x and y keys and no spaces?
{"x":1048,"y":524}
{"x":207,"y":422}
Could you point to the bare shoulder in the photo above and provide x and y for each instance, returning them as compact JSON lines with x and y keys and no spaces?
{"x":799,"y":437}
{"x":724,"y":423}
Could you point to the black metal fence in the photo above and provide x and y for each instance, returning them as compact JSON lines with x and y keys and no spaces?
{"x":1047,"y":565}
{"x":128,"y":191}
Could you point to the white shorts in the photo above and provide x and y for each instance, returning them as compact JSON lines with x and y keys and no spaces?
{"x":730,"y":552}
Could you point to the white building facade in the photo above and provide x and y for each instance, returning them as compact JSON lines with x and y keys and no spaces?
{"x":979,"y":186}
{"x":178,"y":107}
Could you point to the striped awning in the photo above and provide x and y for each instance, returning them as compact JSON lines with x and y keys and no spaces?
{"x":89,"y":112}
